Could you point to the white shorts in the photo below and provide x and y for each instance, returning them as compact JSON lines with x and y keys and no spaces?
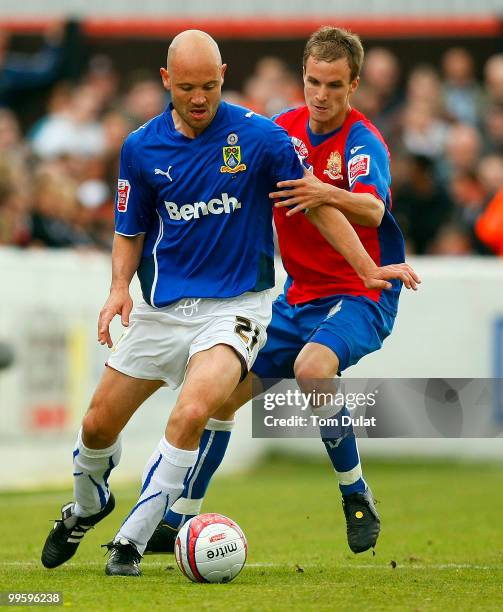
{"x":159,"y":342}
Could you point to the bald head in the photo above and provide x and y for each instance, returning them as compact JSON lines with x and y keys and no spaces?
{"x":193,"y":44}
{"x":194,"y":76}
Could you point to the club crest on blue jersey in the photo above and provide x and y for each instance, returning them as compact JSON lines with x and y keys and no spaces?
{"x":232,"y":160}
{"x":334,"y":166}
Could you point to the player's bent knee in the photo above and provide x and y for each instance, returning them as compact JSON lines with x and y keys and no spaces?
{"x":191,"y":415}
{"x":309,"y":370}
{"x":96,"y":433}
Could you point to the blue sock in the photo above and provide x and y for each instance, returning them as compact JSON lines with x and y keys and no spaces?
{"x":212,"y":447}
{"x":342,"y":449}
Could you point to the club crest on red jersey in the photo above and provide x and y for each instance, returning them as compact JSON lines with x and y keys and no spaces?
{"x":123,"y":189}
{"x":334,"y":166}
{"x":232,"y":160}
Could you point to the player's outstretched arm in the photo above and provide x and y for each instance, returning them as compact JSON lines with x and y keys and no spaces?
{"x":309,"y":192}
{"x":338,"y":232}
{"x":126,"y":256}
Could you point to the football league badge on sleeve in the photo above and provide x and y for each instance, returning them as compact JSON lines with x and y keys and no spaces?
{"x":232,"y":160}
{"x":300,"y":148}
{"x":334,"y":166}
{"x":123,"y":189}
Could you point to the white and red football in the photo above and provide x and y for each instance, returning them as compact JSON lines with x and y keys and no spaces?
{"x":211,"y":548}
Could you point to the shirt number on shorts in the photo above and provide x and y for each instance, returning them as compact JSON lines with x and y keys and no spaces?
{"x":244,"y":329}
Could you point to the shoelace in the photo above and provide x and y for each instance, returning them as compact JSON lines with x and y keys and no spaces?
{"x":122,"y":552}
{"x":189,"y":306}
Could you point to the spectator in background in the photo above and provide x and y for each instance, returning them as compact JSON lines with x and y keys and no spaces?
{"x":462,"y":151}
{"x":12,"y":145}
{"x":14,"y":221}
{"x":490,"y":173}
{"x":381,"y":74}
{"x":493,"y":75}
{"x":21,"y":72}
{"x":462,"y":95}
{"x":8,"y":209}
{"x":420,"y":127}
{"x":451,"y":240}
{"x":493,"y":128}
{"x":366,"y":99}
{"x":144,"y":99}
{"x":74,"y":130}
{"x":471,"y":190}
{"x":103,"y":80}
{"x":272,"y":88}
{"x":116,"y":126}
{"x":467,"y":194}
{"x":55,"y":218}
{"x":421,"y":204}
{"x":424,"y":87}
{"x":422,"y":132}
{"x":58,"y":103}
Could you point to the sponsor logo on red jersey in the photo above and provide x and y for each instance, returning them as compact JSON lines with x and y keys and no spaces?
{"x":123,"y":189}
{"x":358,"y":166}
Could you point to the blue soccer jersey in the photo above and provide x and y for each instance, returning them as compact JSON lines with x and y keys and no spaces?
{"x":203,"y":204}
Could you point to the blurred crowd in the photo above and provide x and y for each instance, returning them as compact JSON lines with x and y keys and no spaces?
{"x":443,"y":125}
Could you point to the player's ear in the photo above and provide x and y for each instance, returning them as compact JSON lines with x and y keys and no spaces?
{"x":224,"y":68}
{"x":354,"y":85}
{"x":166,"y":81}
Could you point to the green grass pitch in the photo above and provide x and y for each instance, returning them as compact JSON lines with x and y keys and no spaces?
{"x":441,"y":547}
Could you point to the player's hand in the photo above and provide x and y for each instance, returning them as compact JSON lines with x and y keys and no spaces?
{"x":303,"y":193}
{"x":119,"y":303}
{"x":378,"y":278}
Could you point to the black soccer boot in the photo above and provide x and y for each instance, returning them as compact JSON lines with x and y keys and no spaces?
{"x":67,"y":533}
{"x":362,"y":520}
{"x":124,"y":559}
{"x":162,"y":541}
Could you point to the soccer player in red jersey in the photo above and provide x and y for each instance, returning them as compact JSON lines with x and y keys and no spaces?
{"x":326,"y":319}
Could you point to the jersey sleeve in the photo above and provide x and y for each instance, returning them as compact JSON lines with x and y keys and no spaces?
{"x":283,"y":161}
{"x":134,"y":200}
{"x":368,"y":165}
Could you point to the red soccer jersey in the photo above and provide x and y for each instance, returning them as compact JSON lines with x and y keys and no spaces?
{"x":353,"y":157}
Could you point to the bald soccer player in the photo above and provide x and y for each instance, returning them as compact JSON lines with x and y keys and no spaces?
{"x":194,"y":222}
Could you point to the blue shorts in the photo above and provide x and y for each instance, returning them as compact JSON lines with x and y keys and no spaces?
{"x":350,"y":326}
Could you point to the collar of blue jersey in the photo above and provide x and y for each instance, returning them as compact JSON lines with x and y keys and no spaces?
{"x":216,"y":119}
